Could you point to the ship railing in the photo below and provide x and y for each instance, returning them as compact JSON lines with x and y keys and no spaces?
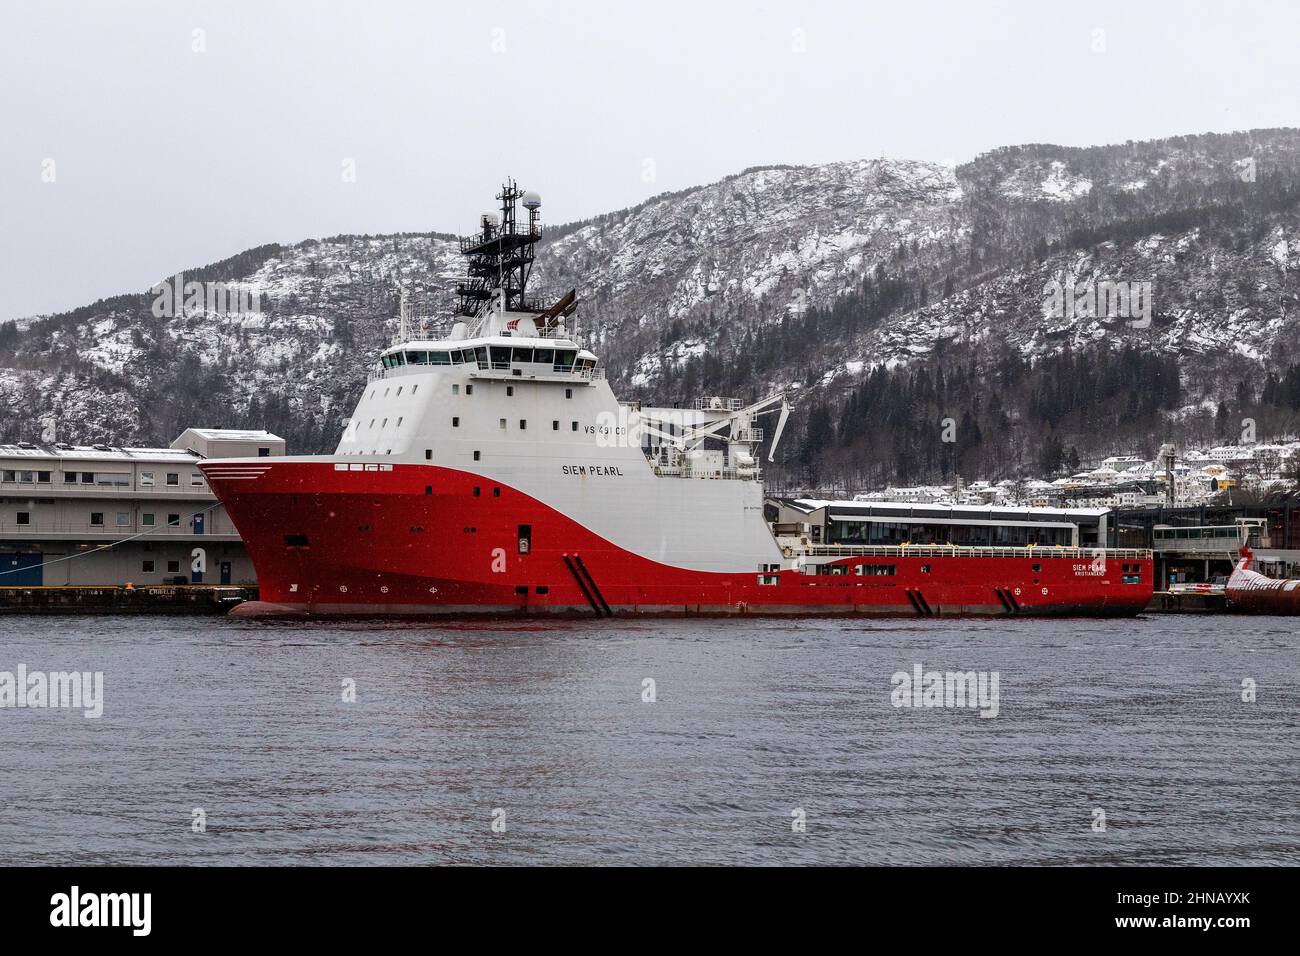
{"x":527,"y":368}
{"x":703,"y":474}
{"x":521,"y":230}
{"x":974,"y":551}
{"x":718,"y":403}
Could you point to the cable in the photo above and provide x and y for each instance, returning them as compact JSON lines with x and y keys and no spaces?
{"x":106,"y":547}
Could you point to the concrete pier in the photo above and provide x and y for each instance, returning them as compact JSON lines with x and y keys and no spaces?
{"x":166,"y":599}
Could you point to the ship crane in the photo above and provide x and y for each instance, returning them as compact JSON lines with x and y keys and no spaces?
{"x":686,"y":430}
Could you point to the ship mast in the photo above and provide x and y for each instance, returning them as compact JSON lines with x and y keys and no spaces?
{"x":500,"y":257}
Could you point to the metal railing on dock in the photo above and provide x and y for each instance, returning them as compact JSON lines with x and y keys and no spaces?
{"x":956,"y":550}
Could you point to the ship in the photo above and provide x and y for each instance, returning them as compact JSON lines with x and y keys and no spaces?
{"x":489,"y":469}
{"x":1250,"y":591}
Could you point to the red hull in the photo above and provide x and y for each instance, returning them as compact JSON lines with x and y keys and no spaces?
{"x":416,"y":540}
{"x":1250,"y":591}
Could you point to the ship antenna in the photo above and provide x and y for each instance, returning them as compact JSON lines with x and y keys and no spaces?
{"x":403,"y":330}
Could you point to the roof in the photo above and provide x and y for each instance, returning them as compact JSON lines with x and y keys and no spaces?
{"x":104,"y":452}
{"x":233,"y":434}
{"x":908,"y":508}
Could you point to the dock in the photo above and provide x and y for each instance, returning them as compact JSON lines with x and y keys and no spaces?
{"x":111,"y":599}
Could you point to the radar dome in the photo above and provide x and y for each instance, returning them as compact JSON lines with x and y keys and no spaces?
{"x":532,"y":200}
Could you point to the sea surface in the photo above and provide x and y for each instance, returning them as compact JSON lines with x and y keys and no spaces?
{"x":766,"y":742}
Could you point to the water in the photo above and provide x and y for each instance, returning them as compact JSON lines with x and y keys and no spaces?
{"x":753,"y":720}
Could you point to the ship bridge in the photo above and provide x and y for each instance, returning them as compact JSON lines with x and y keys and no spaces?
{"x":557,"y":358}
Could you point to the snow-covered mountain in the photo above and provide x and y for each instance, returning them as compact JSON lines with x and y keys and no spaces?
{"x":798,"y":277}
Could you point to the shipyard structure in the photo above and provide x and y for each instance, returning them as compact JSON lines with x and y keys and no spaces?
{"x":93,"y":515}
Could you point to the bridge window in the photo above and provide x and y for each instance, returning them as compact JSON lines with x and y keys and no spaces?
{"x":544,"y":356}
{"x":500,"y":356}
{"x":523,"y":355}
{"x":564,"y":359}
{"x":417,"y":358}
{"x":439,"y":358}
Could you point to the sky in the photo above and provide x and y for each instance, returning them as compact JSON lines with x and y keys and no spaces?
{"x":141,"y":138}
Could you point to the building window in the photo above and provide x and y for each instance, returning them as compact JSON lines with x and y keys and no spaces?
{"x":476,"y":455}
{"x":428,"y":454}
{"x":455,"y":390}
{"x":147,"y":520}
{"x":173,"y":566}
{"x":24,"y":517}
{"x":97,"y":518}
{"x":574,"y":427}
{"x":173,"y":478}
{"x":555,"y":426}
{"x":469,"y":389}
{"x":196,"y":479}
{"x":69,"y":478}
{"x":146,"y":479}
{"x":146,"y":567}
{"x":123,"y":519}
{"x":476,"y":491}
{"x":496,"y":492}
{"x":510,"y":391}
{"x":87,"y":477}
{"x":263,"y":453}
{"x":503,"y":423}
{"x":523,"y":423}
{"x":455,"y":421}
{"x":11,"y":476}
{"x":174,"y":520}
{"x":43,"y":477}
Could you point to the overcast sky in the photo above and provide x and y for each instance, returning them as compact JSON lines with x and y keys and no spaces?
{"x":166,"y":156}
